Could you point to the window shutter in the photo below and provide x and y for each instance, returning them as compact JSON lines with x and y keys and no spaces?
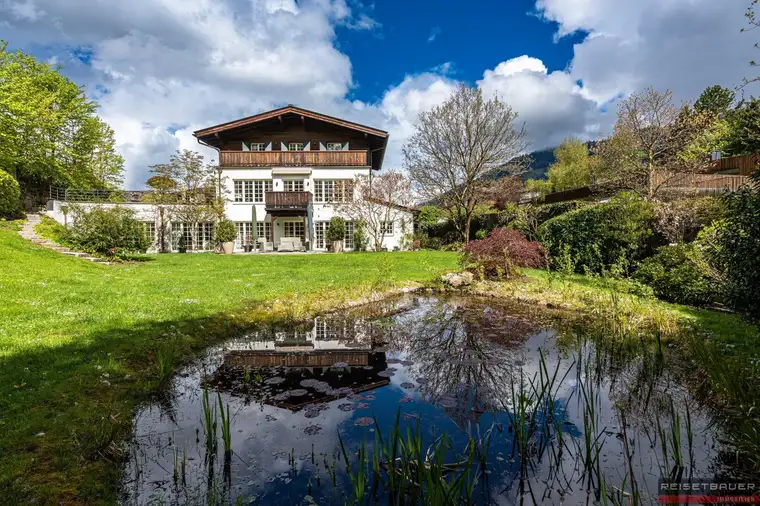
{"x":283,"y":146}
{"x":307,"y":146}
{"x":345,"y":146}
{"x":246,"y":146}
{"x":322,"y":146}
{"x":268,"y":146}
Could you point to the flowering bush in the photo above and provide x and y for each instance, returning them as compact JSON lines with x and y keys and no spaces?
{"x":501,"y":253}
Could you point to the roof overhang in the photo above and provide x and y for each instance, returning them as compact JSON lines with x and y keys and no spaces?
{"x":211,"y":136}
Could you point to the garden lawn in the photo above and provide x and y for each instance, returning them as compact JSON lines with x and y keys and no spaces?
{"x":82,"y":344}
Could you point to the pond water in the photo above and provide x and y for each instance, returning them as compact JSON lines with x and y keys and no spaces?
{"x":511,"y":410}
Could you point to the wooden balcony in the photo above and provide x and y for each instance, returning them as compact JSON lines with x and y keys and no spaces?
{"x":287,"y":201}
{"x":293,"y":158}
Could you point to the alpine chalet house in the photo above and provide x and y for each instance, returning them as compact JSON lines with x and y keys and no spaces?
{"x":288,"y":170}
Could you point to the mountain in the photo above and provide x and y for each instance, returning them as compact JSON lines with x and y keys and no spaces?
{"x":539,"y":165}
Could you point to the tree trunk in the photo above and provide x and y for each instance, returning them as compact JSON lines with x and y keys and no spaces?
{"x":467,"y":229}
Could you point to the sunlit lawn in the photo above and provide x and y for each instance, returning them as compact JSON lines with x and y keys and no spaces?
{"x":81,"y":344}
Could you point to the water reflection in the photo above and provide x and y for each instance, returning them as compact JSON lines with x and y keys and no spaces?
{"x":464,"y":367}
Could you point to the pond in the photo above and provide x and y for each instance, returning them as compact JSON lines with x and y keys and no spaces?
{"x":417,"y":399}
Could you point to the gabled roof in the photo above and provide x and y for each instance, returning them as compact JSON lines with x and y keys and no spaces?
{"x":250,"y":120}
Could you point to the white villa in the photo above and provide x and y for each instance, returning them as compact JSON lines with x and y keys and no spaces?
{"x":286,"y":173}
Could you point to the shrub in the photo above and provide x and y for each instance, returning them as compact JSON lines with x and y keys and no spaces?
{"x":528,"y":218}
{"x":681,"y":220}
{"x":225,"y":231}
{"x":361,"y":239}
{"x":678,"y":273}
{"x":108,"y":231}
{"x":10,"y":194}
{"x":732,"y":246}
{"x":429,"y":242}
{"x":501,"y":253}
{"x":617,"y":232}
{"x":336,"y":231}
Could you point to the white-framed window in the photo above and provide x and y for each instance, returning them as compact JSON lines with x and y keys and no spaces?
{"x":386,"y":227}
{"x":293,"y":229}
{"x":348,"y":239}
{"x":320,"y":229}
{"x":334,"y":146}
{"x":251,"y":191}
{"x":196,"y":236}
{"x":149,"y":229}
{"x":264,"y":229}
{"x":243,"y":234}
{"x":295,"y":146}
{"x":258,"y":146}
{"x":327,"y":190}
{"x":293,"y":185}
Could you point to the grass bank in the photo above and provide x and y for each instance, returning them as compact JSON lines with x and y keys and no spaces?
{"x":719,"y":354}
{"x":82,"y":344}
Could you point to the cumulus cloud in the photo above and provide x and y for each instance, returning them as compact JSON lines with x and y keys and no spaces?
{"x":164,"y":68}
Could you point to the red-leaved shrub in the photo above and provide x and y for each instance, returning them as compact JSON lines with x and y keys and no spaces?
{"x":501,"y":253}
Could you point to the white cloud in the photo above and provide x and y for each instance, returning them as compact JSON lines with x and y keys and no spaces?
{"x":684,"y":45}
{"x":173,"y":66}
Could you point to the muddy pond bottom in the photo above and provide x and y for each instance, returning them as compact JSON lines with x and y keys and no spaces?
{"x":425,"y":400}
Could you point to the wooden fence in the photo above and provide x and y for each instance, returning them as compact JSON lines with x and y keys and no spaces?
{"x":701,"y":183}
{"x":745,"y":164}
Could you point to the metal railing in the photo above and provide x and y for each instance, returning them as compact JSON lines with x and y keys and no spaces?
{"x":81,"y":195}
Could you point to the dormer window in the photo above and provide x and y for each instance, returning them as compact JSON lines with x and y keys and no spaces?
{"x":334,"y":146}
{"x":295,"y":146}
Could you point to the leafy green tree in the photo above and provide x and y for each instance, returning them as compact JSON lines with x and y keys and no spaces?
{"x":715,"y":99}
{"x":10,"y":194}
{"x":50,"y":133}
{"x":571,"y":170}
{"x":744,"y":125}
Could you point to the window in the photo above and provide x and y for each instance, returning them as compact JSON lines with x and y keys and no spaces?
{"x":243,"y":234}
{"x":293,"y":229}
{"x":149,"y":229}
{"x":320,"y":228}
{"x":264,"y":230}
{"x":334,"y":146}
{"x":293,"y":185}
{"x":348,"y":239}
{"x":251,"y":191}
{"x":196,"y":237}
{"x":340,"y":190}
{"x":386,"y":227}
{"x":295,"y":146}
{"x":254,"y":146}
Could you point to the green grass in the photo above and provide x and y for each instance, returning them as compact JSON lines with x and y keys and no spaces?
{"x":81,"y":345}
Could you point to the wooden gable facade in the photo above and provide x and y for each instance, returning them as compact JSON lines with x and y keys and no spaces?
{"x":266,"y":140}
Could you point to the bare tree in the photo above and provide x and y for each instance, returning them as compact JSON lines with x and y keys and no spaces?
{"x":194,"y":195}
{"x":649,"y":150}
{"x":379,"y":202}
{"x":458,"y":147}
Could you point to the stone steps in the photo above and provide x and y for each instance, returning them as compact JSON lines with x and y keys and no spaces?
{"x":27,"y":232}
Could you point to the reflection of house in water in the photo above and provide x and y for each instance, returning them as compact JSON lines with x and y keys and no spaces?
{"x":295,"y":368}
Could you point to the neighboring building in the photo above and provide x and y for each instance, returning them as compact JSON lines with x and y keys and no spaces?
{"x":285,"y":172}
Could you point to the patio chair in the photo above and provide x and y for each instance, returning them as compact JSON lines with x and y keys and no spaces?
{"x":265,"y":246}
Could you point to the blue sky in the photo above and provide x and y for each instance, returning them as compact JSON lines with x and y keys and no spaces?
{"x":161,"y":69}
{"x":419,"y":35}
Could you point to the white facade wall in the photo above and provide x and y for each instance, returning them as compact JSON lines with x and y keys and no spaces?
{"x":242,"y":212}
{"x":322,"y":212}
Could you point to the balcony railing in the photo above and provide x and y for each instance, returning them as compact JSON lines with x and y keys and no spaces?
{"x":292,"y":158}
{"x":287,"y":200}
